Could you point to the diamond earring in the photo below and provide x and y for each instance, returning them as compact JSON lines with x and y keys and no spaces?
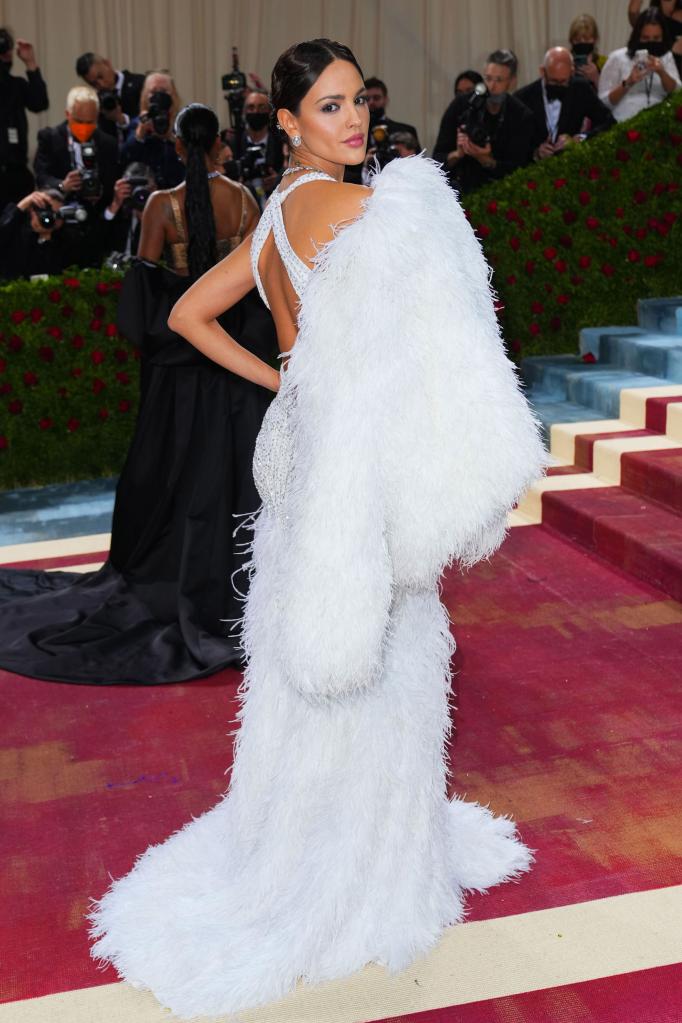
{"x":296,"y":140}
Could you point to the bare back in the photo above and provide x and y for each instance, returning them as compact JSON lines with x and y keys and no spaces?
{"x":309,"y":218}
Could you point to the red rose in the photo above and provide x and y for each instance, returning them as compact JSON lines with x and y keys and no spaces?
{"x":55,"y":332}
{"x":95,"y":324}
{"x":72,"y":282}
{"x":122,"y":377}
{"x":633,"y":256}
{"x":492,"y":206}
{"x":46,"y":353}
{"x":36,"y":315}
{"x":670,"y":217}
{"x":534,"y":328}
{"x":73,"y":425}
{"x":560,"y":182}
{"x":537,"y":307}
{"x":511,"y":215}
{"x":516,"y":345}
{"x":529,"y":268}
{"x":3,"y":365}
{"x":570,"y":216}
{"x":6,"y":388}
{"x":55,"y":295}
{"x":30,"y":379}
{"x":576,"y":280}
{"x":675,"y":140}
{"x":561,"y":266}
{"x":591,"y":223}
{"x":653,"y":260}
{"x":639,"y":196}
{"x":608,"y":270}
{"x":76,"y":372}
{"x":658,"y":188}
{"x":555,"y":323}
{"x":111,"y":330}
{"x":98,"y":386}
{"x":550,"y":253}
{"x":589,"y":357}
{"x":593,"y":173}
{"x":15,"y":406}
{"x":613,"y":242}
{"x":515,"y":242}
{"x":627,"y":229}
{"x":641,"y":232}
{"x":18,"y":316}
{"x":532,"y":185}
{"x":4,"y":443}
{"x":545,"y":208}
{"x":537,"y":234}
{"x":15,"y":344}
{"x":116,"y":285}
{"x":632,"y":135}
{"x":102,"y":288}
{"x":566,"y":241}
{"x":98,"y":311}
{"x":97,"y":357}
{"x":619,"y":212}
{"x":584,"y":198}
{"x":511,"y":279}
{"x":120,"y":354}
{"x":124,"y":405}
{"x":482,"y":231}
{"x":77,"y":341}
{"x":67,"y":311}
{"x":622,"y":155}
{"x":103,"y":414}
{"x":45,"y":423}
{"x":563,"y":299}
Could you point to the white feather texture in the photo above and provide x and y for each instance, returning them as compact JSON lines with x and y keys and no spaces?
{"x":397,"y":443}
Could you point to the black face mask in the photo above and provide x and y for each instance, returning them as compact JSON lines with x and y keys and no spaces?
{"x":257,"y":121}
{"x":582,"y":49}
{"x":556,"y":91}
{"x":656,"y":49}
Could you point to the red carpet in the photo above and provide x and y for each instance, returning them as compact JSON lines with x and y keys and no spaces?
{"x":568,"y":718}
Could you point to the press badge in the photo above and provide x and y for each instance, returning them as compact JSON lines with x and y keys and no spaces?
{"x":13,"y":136}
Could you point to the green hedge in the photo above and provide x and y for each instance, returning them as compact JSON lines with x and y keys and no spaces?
{"x":68,"y":380}
{"x":575,"y":240}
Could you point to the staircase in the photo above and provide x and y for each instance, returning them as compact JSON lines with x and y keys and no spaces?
{"x":612,"y":416}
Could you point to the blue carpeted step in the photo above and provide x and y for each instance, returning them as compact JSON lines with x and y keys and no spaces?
{"x":56,"y":511}
{"x":661,"y":315}
{"x":550,"y":412}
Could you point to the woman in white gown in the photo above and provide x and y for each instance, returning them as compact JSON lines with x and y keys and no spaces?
{"x":396,"y":445}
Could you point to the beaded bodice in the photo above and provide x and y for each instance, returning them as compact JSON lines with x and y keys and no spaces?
{"x":272,"y":220}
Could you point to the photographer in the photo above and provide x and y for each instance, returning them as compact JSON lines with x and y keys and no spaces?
{"x":486,"y":134}
{"x":258,"y":150}
{"x":643,"y":72}
{"x":565,"y":108}
{"x":118,"y":91}
{"x":37,"y":236}
{"x":151,"y":140}
{"x":76,"y":157}
{"x":122,"y":219}
{"x":17,"y":95}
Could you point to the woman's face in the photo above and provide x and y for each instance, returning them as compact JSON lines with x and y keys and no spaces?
{"x":651,"y":34}
{"x":333,"y":118}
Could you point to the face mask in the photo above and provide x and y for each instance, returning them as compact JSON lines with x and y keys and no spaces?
{"x":496,"y":100}
{"x":656,"y":49}
{"x":556,"y":91}
{"x":582,"y":49}
{"x":257,"y":121}
{"x":82,"y":132}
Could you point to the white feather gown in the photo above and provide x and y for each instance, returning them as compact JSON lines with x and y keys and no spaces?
{"x":396,"y":445}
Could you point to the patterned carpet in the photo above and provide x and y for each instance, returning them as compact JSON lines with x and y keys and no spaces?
{"x":568,"y":717}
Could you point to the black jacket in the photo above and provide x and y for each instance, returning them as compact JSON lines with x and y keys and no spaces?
{"x":53,"y":160}
{"x":17,"y":95}
{"x":131,"y":89}
{"x":511,"y":142}
{"x":22,"y":254}
{"x":581,"y":102}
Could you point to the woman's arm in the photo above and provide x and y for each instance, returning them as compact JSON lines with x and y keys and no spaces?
{"x":195,"y":317}
{"x":668,"y":75}
{"x":153,"y":230}
{"x":634,"y":7}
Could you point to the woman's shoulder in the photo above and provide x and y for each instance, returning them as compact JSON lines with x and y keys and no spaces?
{"x":620,"y":54}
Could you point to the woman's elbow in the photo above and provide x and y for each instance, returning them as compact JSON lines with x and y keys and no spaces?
{"x":178,"y":319}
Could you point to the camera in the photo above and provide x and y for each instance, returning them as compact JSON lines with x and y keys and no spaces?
{"x":158,"y":112}
{"x":6,"y":41}
{"x":140,"y":192}
{"x":641,"y":59}
{"x":71,"y":213}
{"x":381,"y":141}
{"x":473,"y":123}
{"x":233,"y":85}
{"x":108,"y":100}
{"x":91,"y":187}
{"x":253,"y":163}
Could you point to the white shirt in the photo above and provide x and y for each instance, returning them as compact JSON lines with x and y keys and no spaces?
{"x":643,"y":94}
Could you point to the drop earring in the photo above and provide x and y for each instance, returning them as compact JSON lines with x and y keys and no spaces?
{"x":296,"y":140}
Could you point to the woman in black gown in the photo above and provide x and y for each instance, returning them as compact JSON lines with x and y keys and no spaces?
{"x":163,"y":607}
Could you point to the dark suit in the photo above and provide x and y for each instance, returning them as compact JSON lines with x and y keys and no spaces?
{"x":17,"y":95}
{"x":511,"y":134}
{"x":23,"y":254}
{"x":53,"y":160}
{"x":353,"y":172}
{"x":129,"y":95}
{"x":581,"y":101}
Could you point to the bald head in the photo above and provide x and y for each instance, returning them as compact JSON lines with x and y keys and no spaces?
{"x":557,"y":65}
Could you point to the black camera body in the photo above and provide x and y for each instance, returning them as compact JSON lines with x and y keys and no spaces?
{"x":473,"y":123}
{"x":233,"y":85}
{"x":253,"y":163}
{"x":108,"y":100}
{"x":158,"y":112}
{"x":91,"y":187}
{"x":140,"y":192}
{"x":380,"y":139}
{"x":70,"y":213}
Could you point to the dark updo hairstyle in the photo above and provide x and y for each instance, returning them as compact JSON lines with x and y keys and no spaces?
{"x":197,"y":128}
{"x":299,"y":67}
{"x":651,"y":16}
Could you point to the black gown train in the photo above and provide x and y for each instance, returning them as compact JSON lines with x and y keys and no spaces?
{"x":163,"y":606}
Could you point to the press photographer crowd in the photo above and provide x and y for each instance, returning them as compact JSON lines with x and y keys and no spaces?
{"x":84,"y":199}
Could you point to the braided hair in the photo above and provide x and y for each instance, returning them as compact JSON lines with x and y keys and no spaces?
{"x":197,"y":127}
